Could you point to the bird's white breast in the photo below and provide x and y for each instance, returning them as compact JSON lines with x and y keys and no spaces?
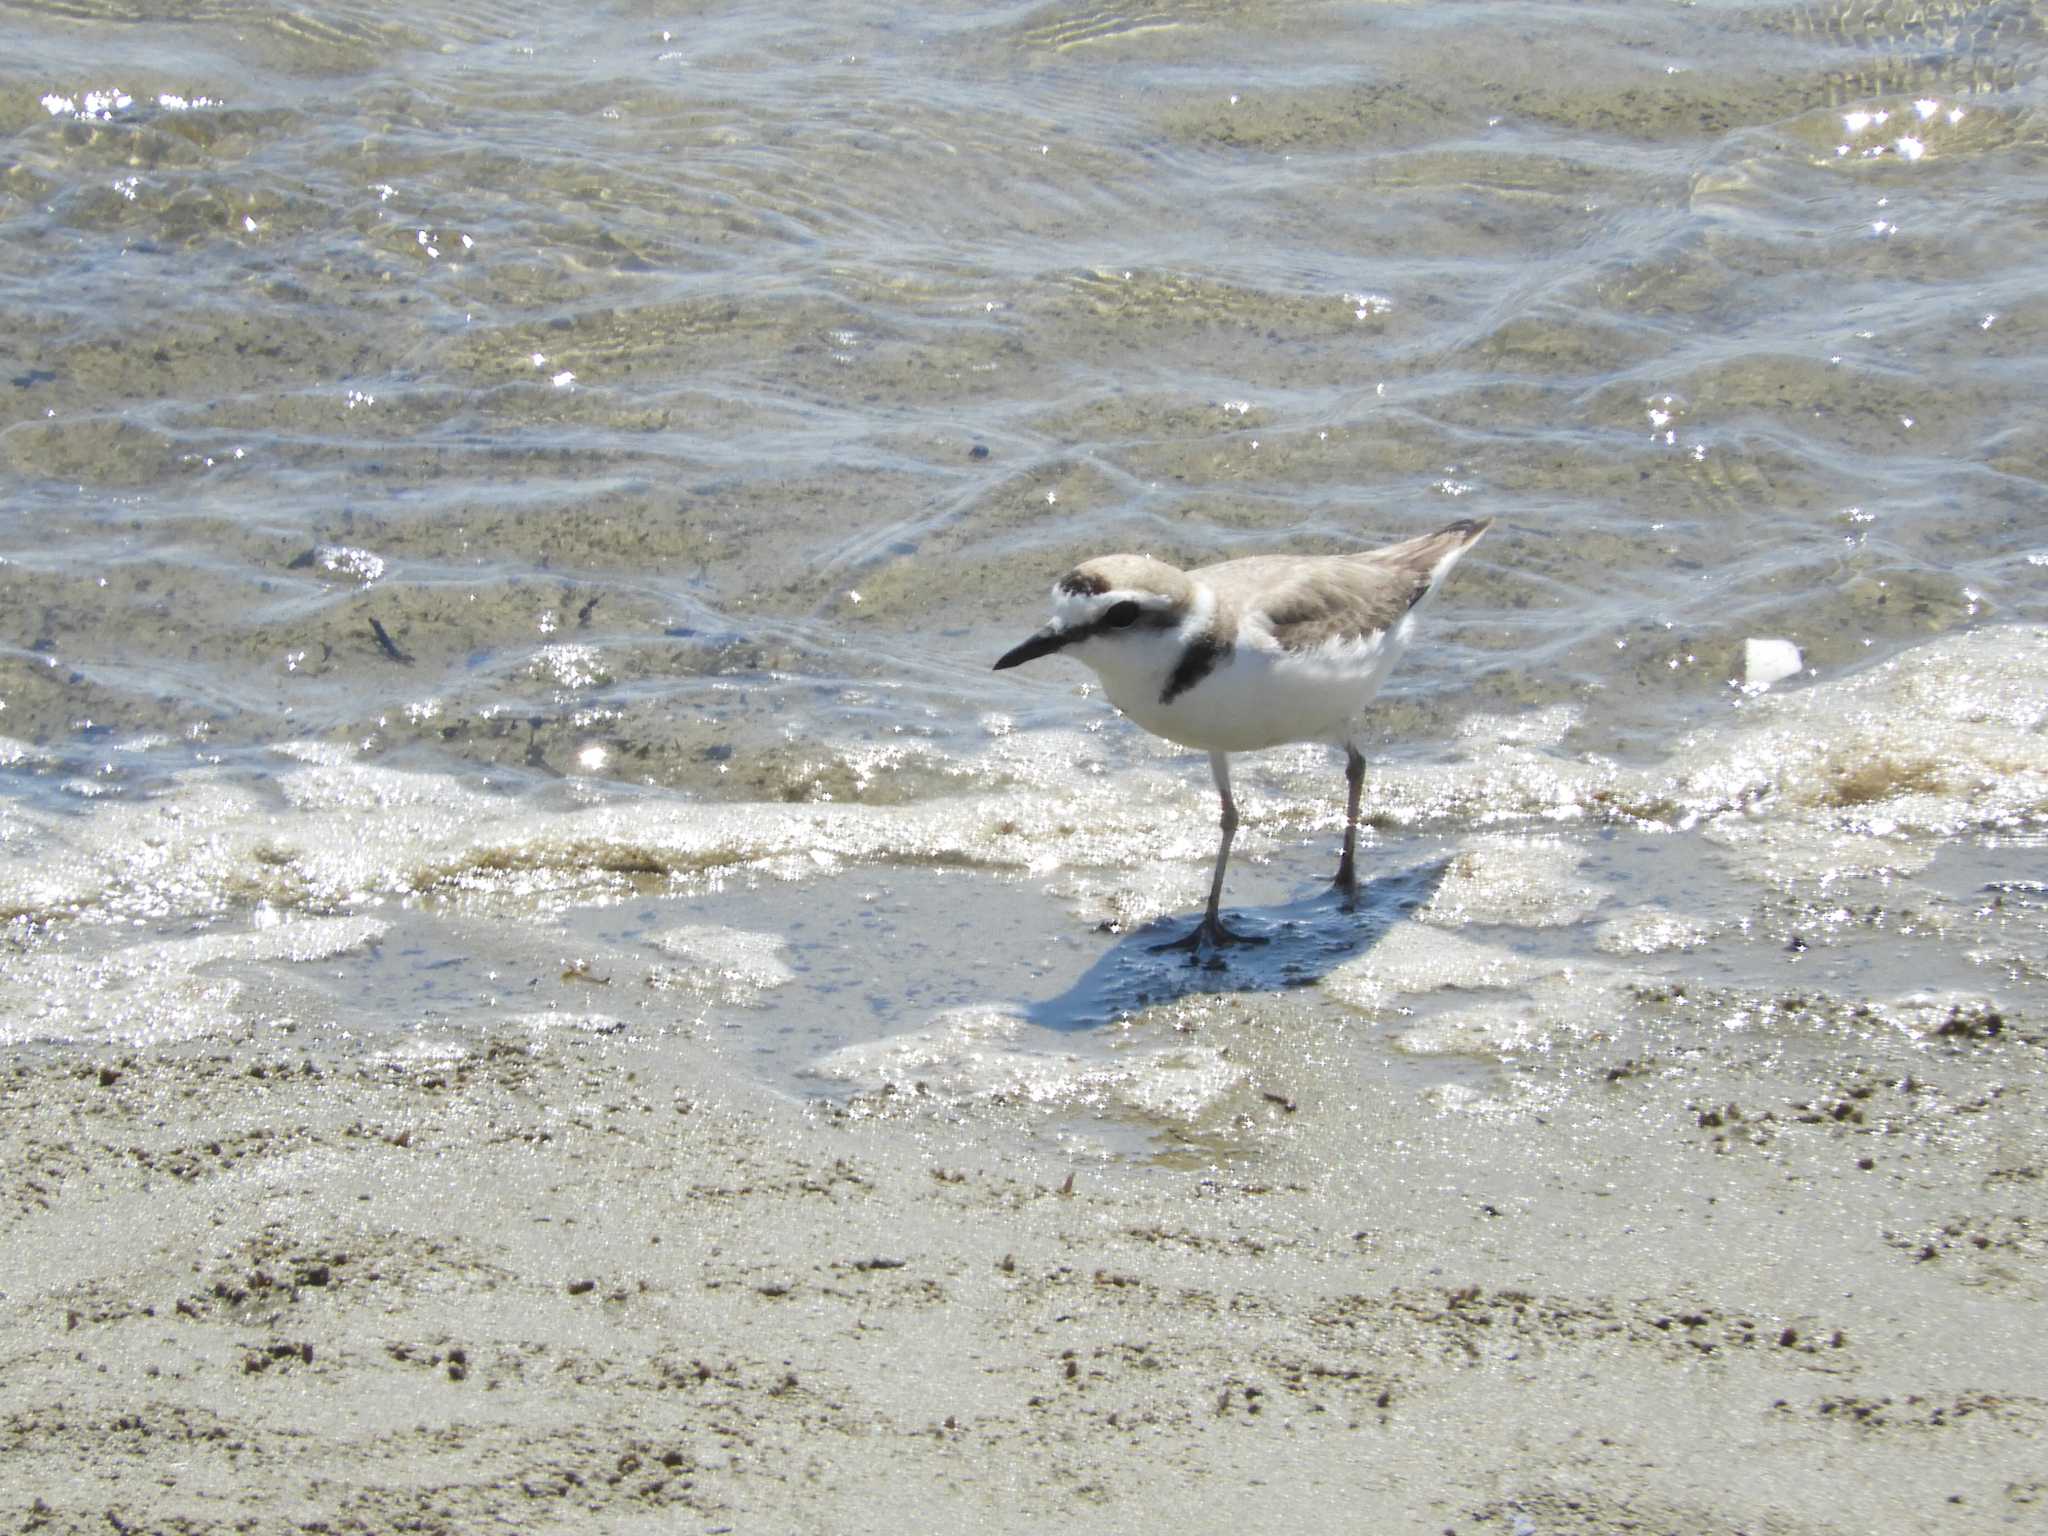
{"x":1262,"y":696}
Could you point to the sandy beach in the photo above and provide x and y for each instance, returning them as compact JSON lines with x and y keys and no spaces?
{"x":596,"y":1284}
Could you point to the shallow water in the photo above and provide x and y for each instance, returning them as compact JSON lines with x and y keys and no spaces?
{"x":494,"y":487}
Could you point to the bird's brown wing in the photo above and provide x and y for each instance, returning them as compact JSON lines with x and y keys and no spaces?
{"x":1340,"y":600}
{"x":1341,"y":597}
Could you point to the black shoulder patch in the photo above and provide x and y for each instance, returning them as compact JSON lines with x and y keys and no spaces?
{"x":1082,"y":584}
{"x":1196,"y":663}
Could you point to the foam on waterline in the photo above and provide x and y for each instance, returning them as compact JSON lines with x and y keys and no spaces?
{"x":1950,"y":1015}
{"x":1499,"y":778}
{"x":298,"y":942}
{"x":1181,"y":1083}
{"x":720,"y":965}
{"x":1412,"y":959}
{"x":196,"y":849}
{"x":988,"y":1056}
{"x":1799,"y":852}
{"x":1553,"y":1012}
{"x":546,"y":1021}
{"x":1520,"y":881}
{"x":1940,"y":739}
{"x":1646,"y":931}
{"x":349,"y":786}
{"x":33,"y":885}
{"x":422,"y":1053}
{"x":964,"y":1053}
{"x":329,"y":754}
{"x":1544,"y":727}
{"x":151,"y":993}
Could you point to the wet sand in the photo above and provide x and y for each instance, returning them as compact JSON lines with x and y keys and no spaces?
{"x":1781,"y":1283}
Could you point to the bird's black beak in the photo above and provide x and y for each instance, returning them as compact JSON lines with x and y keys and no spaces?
{"x":1044,"y":643}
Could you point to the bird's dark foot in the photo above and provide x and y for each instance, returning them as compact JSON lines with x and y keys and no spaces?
{"x":1346,"y":886}
{"x":1209,"y":933}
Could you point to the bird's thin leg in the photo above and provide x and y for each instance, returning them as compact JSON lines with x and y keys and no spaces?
{"x":1211,"y":930}
{"x":1354,"y":783}
{"x":1219,"y":765}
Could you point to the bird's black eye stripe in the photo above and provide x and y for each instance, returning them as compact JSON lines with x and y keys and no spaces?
{"x":1121,"y":615}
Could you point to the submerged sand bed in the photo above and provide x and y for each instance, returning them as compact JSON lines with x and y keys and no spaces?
{"x":1786,"y":1281}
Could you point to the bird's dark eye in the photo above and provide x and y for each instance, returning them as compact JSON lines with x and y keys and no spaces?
{"x":1121,"y":615}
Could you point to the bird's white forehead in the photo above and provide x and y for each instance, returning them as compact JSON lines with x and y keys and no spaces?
{"x":1070,"y":609}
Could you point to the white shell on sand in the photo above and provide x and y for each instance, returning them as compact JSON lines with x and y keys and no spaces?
{"x":1765,"y":662}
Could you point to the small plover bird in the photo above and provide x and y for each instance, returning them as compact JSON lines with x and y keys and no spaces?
{"x":1249,"y":653}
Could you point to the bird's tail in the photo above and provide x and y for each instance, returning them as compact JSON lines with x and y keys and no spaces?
{"x":1429,"y":557}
